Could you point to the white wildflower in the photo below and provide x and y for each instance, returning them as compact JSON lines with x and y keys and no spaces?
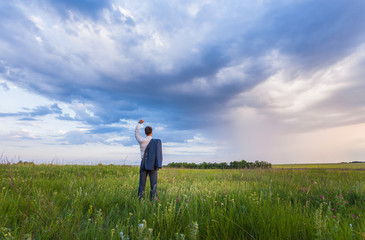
{"x":123,"y":237}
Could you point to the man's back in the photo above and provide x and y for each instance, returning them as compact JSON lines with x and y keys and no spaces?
{"x":153,"y":155}
{"x":143,"y":141}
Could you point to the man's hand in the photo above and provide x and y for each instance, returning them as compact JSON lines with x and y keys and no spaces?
{"x":141,"y":121}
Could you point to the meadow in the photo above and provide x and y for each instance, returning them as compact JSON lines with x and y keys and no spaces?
{"x":100,"y":202}
{"x":358,"y":166}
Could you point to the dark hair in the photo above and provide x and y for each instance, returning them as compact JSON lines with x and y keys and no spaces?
{"x":148,"y":130}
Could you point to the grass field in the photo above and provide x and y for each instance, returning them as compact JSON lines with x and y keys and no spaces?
{"x":323,"y":166}
{"x":100,"y":202}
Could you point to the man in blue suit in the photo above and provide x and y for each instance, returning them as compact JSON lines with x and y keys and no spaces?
{"x":151,"y":160}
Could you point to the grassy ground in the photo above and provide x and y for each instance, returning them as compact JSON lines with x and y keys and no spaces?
{"x":99,"y":202}
{"x":323,"y":165}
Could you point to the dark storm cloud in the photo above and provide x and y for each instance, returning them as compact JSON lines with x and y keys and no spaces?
{"x":90,"y":8}
{"x":27,"y":119}
{"x":30,"y":114}
{"x":106,"y":129}
{"x":316,"y":33}
{"x":229,"y":58}
{"x":45,"y":110}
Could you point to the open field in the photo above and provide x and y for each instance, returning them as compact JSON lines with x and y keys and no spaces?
{"x":323,"y":166}
{"x":100,"y":202}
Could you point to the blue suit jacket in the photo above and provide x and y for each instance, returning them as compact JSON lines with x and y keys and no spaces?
{"x":152,"y":158}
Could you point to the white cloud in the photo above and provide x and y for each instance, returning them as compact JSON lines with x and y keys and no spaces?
{"x":302,"y":98}
{"x":38,"y":22}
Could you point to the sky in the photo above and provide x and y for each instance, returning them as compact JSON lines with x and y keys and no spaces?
{"x":281,"y":81}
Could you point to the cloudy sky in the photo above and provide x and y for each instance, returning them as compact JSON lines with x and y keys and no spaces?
{"x":281,"y":81}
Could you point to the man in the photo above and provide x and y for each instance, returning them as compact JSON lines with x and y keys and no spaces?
{"x":151,"y":160}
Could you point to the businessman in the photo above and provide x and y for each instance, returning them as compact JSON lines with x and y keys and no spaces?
{"x":151,"y":160}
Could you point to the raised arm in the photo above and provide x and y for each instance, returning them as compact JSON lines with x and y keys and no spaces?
{"x":136,"y":131}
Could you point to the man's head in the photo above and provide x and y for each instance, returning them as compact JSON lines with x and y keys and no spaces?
{"x":148,"y":131}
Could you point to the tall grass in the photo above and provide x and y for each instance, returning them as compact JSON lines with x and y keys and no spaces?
{"x":358,"y":166}
{"x":100,"y":202}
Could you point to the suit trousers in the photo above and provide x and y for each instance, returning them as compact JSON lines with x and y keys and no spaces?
{"x":142,"y":182}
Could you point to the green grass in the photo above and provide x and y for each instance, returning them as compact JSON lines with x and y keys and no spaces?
{"x":100,"y":202}
{"x":323,"y":165}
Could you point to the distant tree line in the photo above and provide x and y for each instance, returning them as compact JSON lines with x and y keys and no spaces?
{"x":25,"y":163}
{"x":232,"y":165}
{"x":354,"y":162}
